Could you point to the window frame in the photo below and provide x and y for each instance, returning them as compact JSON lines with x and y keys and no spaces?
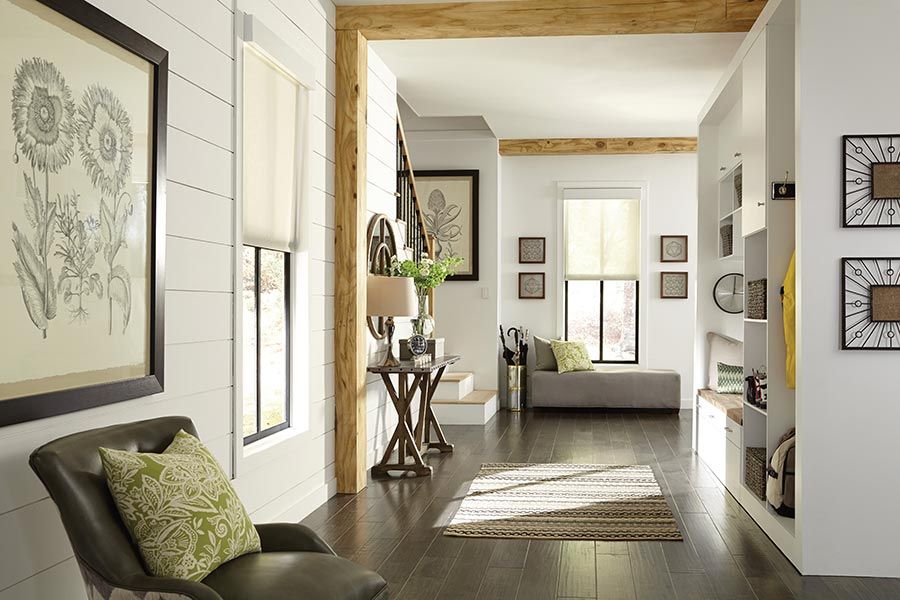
{"x":637,"y":323}
{"x":252,"y":32}
{"x":288,"y":396}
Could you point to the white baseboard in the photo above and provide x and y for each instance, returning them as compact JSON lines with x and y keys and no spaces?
{"x":687,"y":404}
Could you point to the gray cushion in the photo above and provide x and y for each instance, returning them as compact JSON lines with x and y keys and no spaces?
{"x":608,"y":388}
{"x":544,"y":359}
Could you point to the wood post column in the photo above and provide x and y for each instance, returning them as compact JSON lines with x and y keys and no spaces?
{"x":350,"y":266}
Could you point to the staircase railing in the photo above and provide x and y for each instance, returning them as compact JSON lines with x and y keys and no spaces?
{"x":409,"y":208}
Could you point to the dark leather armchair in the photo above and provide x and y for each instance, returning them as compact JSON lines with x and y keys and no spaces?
{"x":294,"y":563}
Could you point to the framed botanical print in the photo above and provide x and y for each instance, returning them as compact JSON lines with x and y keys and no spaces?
{"x":532,"y":250}
{"x":81,"y":283}
{"x":532,"y":286}
{"x":673,"y":248}
{"x":449,"y":200}
{"x":673,"y":284}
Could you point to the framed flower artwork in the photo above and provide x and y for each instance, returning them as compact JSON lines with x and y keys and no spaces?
{"x":449,"y":199}
{"x":81,"y":283}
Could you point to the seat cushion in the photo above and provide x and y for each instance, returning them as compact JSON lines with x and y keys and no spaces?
{"x":294,"y":575}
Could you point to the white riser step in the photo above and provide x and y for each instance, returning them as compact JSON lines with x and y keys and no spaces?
{"x":476,"y":408}
{"x":455,"y":386}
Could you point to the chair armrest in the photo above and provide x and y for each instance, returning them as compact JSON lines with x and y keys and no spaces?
{"x":291,"y":537}
{"x":178,"y":588}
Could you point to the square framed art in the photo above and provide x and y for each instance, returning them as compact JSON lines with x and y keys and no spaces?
{"x":870,"y":306}
{"x":532,"y":286}
{"x":81,"y":284}
{"x":673,"y":248}
{"x":532,"y":250}
{"x":673,"y":284}
{"x":871,"y":195}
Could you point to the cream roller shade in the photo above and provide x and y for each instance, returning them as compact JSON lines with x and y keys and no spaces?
{"x":602,"y":234}
{"x":270,"y":149}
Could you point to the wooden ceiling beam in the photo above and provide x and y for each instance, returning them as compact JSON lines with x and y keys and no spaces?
{"x":570,"y":146}
{"x":528,"y":18}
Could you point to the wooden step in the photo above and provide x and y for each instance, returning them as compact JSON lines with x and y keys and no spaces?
{"x":475,"y":408}
{"x":454,"y":386}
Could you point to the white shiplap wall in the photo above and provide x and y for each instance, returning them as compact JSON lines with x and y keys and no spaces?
{"x":381,"y":184}
{"x":284,"y":481}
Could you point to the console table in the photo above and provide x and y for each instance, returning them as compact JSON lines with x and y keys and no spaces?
{"x":411,"y":442}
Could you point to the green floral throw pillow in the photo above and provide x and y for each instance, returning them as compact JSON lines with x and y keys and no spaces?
{"x":730,"y":378}
{"x":180,"y":508}
{"x":571,"y":356}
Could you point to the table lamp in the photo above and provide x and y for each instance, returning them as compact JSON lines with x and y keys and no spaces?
{"x":390,"y":297}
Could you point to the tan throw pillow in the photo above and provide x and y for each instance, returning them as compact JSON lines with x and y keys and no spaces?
{"x":571,"y":356}
{"x":180,"y":508}
{"x":543,"y":355}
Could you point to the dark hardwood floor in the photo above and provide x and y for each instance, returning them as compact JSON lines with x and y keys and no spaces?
{"x":395,"y":526}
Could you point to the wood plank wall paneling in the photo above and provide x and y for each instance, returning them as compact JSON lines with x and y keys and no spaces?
{"x":350,"y":272}
{"x":569,"y":146}
{"x":36,"y":562}
{"x":517,"y":18}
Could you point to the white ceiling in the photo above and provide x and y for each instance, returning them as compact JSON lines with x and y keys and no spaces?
{"x":578,"y":86}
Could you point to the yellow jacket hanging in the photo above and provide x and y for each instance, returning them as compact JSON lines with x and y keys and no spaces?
{"x":788,"y":304}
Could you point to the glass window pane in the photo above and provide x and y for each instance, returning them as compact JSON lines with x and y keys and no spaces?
{"x":620,"y":321}
{"x":273,"y":338}
{"x":249,"y":340}
{"x":583,"y":314}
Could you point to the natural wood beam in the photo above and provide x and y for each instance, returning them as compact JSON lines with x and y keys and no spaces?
{"x":517,"y":18}
{"x":564,"y":146}
{"x":350,"y":262}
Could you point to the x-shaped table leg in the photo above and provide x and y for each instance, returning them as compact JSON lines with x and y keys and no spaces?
{"x":402,"y":438}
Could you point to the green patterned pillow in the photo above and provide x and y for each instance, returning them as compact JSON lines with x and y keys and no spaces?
{"x":180,"y":508}
{"x":730,"y":378}
{"x":571,"y":356}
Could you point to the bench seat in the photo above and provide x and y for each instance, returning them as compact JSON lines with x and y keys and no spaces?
{"x":730,"y":404}
{"x":607,"y":388}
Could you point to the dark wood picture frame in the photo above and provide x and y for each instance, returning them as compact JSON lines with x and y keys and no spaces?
{"x":662,"y":279}
{"x":662,"y":248}
{"x":543,"y":260}
{"x":543,"y":278}
{"x":48,"y":404}
{"x":473,"y":175}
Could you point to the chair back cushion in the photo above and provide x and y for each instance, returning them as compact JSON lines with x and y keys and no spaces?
{"x":71,"y":470}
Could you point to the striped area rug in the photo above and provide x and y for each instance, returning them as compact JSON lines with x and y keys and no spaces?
{"x":565,"y":502}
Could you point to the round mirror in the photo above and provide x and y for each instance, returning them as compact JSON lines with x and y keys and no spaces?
{"x":729,"y":293}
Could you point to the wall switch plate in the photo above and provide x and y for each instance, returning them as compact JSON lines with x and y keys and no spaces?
{"x":485,"y":293}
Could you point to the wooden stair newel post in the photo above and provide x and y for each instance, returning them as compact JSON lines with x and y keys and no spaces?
{"x":350,"y":267}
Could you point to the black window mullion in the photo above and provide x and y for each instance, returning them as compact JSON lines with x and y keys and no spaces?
{"x":257,"y":299}
{"x":602,"y":297}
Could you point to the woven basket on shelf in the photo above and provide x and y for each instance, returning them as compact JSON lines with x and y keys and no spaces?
{"x":756,"y":299}
{"x":755,"y":471}
{"x":739,"y":188}
{"x":727,"y":234}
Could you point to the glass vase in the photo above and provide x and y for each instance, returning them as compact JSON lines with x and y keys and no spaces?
{"x":423,"y":324}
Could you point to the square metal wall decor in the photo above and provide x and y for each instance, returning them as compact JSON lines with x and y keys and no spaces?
{"x":870,"y":309}
{"x":871,"y":181}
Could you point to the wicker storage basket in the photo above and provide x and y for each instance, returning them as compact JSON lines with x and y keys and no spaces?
{"x":739,"y":188}
{"x":755,"y":471}
{"x":756,"y":299}
{"x":727,"y":234}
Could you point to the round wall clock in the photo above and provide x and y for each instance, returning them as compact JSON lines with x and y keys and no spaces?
{"x":729,"y":293}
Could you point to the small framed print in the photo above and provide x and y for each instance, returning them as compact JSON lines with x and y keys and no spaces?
{"x":673,"y":284}
{"x":673,"y":248}
{"x":870,"y":310}
{"x":532,"y":250}
{"x":531,"y":286}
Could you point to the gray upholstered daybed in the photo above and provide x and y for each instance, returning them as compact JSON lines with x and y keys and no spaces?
{"x":604,"y":388}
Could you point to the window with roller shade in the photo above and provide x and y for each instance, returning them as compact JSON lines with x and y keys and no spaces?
{"x":270,"y":135}
{"x":602,"y":256}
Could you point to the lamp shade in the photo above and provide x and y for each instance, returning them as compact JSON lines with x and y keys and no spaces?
{"x":391,"y":297}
